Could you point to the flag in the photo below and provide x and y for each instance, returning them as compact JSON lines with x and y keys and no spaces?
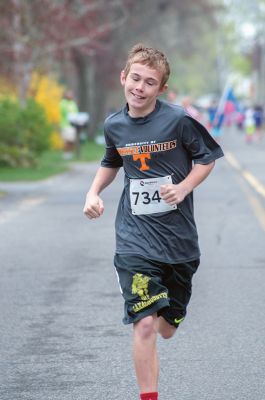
{"x":227,"y":108}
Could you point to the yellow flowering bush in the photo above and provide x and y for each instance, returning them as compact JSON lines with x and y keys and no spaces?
{"x":48,"y":93}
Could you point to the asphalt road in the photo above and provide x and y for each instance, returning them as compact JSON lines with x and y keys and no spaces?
{"x":61,"y":336}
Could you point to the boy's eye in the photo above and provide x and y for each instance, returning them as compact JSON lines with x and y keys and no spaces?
{"x":150,"y":83}
{"x":135,"y":77}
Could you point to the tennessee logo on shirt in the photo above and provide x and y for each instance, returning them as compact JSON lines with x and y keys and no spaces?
{"x":143,"y":153}
{"x":142,"y":158}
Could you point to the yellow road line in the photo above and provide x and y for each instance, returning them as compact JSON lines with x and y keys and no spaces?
{"x":252,"y":180}
{"x":232,"y":161}
{"x":25,"y":204}
{"x":255,"y":184}
{"x":255,"y":204}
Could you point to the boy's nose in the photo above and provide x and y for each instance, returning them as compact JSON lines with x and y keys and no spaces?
{"x":140,"y":85}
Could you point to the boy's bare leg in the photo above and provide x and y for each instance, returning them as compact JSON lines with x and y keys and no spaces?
{"x":145,"y":353}
{"x":164,"y":328}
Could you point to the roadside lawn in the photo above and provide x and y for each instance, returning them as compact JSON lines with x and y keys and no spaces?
{"x":51,"y":163}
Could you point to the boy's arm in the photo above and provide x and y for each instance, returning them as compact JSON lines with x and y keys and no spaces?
{"x":176,"y":193}
{"x":94,"y":206}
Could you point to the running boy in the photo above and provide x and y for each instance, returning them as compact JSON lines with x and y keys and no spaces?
{"x":165,"y":154}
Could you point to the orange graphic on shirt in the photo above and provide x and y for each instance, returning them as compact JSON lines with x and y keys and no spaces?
{"x":142,"y":157}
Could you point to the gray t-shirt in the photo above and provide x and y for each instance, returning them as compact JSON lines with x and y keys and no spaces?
{"x":165,"y":142}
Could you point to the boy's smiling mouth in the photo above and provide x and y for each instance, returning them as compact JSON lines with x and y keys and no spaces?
{"x":138,"y":96}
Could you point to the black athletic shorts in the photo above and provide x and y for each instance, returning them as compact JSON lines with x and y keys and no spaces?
{"x":150,"y":287}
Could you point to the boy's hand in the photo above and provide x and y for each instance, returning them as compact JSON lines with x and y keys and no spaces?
{"x":173,"y":194}
{"x":94,"y":206}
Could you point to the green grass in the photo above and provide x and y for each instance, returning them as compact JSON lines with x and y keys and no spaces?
{"x":91,"y":151}
{"x":51,"y":163}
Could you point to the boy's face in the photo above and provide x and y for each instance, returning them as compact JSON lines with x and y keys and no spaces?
{"x":142,"y":85}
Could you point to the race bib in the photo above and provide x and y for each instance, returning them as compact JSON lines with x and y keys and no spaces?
{"x":145,"y":196}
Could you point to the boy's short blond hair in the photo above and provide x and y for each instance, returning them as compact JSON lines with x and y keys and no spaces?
{"x":149,"y":56}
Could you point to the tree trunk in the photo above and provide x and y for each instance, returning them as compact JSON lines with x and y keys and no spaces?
{"x":90,"y":97}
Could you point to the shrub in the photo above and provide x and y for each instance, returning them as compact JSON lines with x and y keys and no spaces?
{"x":56,"y":141}
{"x":14,"y":156}
{"x":24,"y":132}
{"x":34,"y":127}
{"x":9,"y":115}
{"x":48,"y":93}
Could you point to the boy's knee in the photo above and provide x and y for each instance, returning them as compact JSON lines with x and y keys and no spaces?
{"x":165,"y":329}
{"x":145,"y":327}
{"x":168,"y":333}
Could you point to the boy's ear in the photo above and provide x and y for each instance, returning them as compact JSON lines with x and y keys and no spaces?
{"x":163,"y":89}
{"x":122,"y":77}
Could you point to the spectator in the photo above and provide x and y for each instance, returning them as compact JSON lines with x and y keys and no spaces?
{"x":258,"y":118}
{"x":67,"y":107}
{"x":191,"y":110}
{"x":249,"y":124}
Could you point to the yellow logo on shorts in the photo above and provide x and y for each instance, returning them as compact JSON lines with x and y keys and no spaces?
{"x":178,"y":321}
{"x":140,"y":286}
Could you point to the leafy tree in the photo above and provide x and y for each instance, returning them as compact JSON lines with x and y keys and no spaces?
{"x":91,"y":38}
